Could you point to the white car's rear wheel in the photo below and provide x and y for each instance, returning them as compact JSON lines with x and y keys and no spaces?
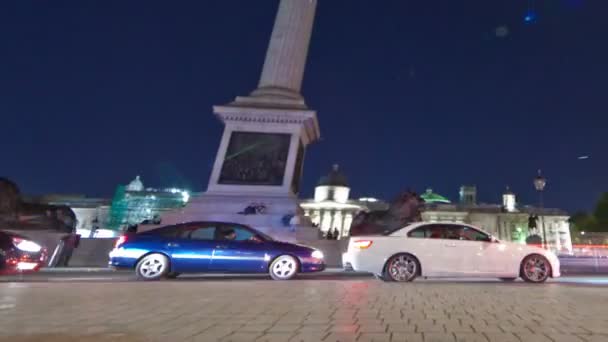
{"x":535,"y":268}
{"x":284,"y":267}
{"x":152,"y":267}
{"x":402,"y":268}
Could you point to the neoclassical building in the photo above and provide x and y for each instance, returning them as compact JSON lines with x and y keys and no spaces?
{"x":332,"y":207}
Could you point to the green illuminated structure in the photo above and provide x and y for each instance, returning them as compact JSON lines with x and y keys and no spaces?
{"x":430,"y":197}
{"x":132,"y":204}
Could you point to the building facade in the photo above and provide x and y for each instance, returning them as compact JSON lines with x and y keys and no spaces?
{"x":91,"y":213}
{"x":507,"y":221}
{"x":331,"y":208}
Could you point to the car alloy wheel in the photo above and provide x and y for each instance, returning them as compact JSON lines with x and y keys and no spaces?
{"x":535,"y":268}
{"x":284,"y":267}
{"x":402,"y":268}
{"x":153,"y":267}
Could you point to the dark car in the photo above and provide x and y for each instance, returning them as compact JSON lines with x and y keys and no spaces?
{"x":214,"y":247}
{"x":20,"y":254}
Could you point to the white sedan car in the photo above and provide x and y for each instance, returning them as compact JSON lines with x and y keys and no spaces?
{"x":447,"y":250}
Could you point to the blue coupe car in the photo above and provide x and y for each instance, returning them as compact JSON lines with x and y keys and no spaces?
{"x":213,"y":247}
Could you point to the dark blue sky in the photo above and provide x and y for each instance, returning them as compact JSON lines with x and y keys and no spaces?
{"x":408,"y":93}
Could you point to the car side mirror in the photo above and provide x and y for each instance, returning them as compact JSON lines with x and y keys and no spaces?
{"x":494,"y":240}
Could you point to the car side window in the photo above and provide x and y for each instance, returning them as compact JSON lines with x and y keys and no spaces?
{"x":454,"y":232}
{"x":472,"y":234}
{"x":430,"y":231}
{"x":198,"y":232}
{"x":449,"y":232}
{"x":419,"y":233}
{"x":203,"y":233}
{"x":168,"y":232}
{"x":436,"y":231}
{"x":235,"y":233}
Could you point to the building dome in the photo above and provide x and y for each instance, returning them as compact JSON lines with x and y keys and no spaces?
{"x":430,"y":197}
{"x":334,"y":178}
{"x":135,"y":185}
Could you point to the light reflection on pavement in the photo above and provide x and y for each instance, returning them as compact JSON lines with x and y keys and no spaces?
{"x":588,"y":280}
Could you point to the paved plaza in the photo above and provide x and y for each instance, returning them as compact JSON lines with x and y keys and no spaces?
{"x":359,"y":309}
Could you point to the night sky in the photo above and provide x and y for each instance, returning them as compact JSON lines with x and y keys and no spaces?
{"x":409,"y":93}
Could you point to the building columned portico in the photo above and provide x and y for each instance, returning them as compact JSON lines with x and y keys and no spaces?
{"x":331,"y":208}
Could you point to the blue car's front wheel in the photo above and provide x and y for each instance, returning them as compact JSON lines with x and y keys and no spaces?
{"x":284,"y":267}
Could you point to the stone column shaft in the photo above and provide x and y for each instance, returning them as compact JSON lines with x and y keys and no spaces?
{"x":286,"y":55}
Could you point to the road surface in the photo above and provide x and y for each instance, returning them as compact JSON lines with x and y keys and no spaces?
{"x":333,"y":306}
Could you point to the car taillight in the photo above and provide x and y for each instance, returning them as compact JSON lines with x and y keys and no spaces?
{"x":121,"y":240}
{"x":362,"y":244}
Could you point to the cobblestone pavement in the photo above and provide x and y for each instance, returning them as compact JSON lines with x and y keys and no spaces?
{"x":302,"y":310}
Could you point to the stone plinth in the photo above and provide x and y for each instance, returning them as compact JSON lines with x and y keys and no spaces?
{"x":276,"y":220}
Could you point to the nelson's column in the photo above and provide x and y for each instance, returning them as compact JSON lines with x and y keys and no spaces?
{"x":260,"y":157}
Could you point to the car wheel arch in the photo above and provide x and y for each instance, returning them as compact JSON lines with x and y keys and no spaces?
{"x":402,"y":253}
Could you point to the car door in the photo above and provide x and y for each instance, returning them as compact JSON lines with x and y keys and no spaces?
{"x":459,"y":255}
{"x":426,"y":243}
{"x":239,"y":249}
{"x":493,"y":258}
{"x":192,"y":249}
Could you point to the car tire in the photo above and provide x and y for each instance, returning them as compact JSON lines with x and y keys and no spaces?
{"x":535,"y":268}
{"x":173,"y":275}
{"x":284,"y":267}
{"x":153,"y":266}
{"x":401,"y":268}
{"x":507,"y":279}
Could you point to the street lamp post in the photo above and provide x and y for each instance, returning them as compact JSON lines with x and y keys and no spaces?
{"x":539,"y":184}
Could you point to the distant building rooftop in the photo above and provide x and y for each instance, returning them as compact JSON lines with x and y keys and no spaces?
{"x":492,"y":208}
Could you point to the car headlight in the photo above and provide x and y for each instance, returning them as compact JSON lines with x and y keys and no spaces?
{"x":317,"y":255}
{"x":26,"y":245}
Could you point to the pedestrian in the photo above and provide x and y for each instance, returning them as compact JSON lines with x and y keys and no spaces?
{"x":335,"y":234}
{"x":69,"y":243}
